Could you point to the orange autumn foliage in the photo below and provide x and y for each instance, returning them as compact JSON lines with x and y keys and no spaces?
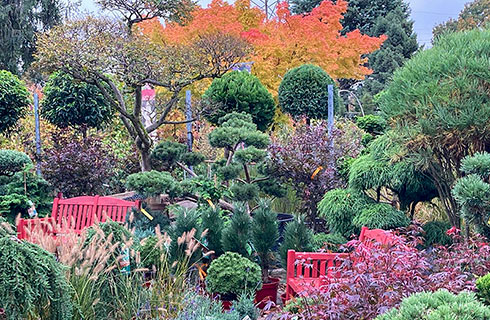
{"x":282,"y":43}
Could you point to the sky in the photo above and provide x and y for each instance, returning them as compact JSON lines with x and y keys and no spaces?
{"x":425,"y":13}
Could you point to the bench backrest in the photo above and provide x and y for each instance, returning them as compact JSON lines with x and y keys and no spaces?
{"x":316,"y":264}
{"x":369,"y":237}
{"x":81,"y":212}
{"x":312,"y":264}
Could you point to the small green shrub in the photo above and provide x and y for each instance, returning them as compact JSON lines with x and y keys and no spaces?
{"x":381,"y":216}
{"x":329,"y":241}
{"x":236,"y":235}
{"x":437,"y":306}
{"x":153,"y":183}
{"x":245,"y":307}
{"x":233,"y":274}
{"x":166,"y":153}
{"x":12,"y":161}
{"x":483,"y":286}
{"x":265,"y":233}
{"x":119,"y":232}
{"x":297,"y":236}
{"x":186,"y":220}
{"x":151,"y":253}
{"x":244,"y":191}
{"x":435,"y":233}
{"x":339,"y":207}
{"x":372,"y":124}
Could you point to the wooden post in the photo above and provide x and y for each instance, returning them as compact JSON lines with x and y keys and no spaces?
{"x":330,"y":109}
{"x":38,"y":134}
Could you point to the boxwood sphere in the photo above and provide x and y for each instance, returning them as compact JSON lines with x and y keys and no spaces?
{"x":304,"y":92}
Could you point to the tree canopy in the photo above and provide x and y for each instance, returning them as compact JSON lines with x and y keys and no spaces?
{"x":71,"y":102}
{"x":21,"y":21}
{"x":475,"y":14}
{"x":119,"y":60}
{"x":303,"y":92}
{"x":286,"y":42}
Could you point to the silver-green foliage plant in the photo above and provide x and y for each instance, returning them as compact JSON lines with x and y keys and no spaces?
{"x":472,"y":192}
{"x":233,"y":274}
{"x":32,"y":283}
{"x":439,"y":305}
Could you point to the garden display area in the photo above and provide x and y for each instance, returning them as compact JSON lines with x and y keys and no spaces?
{"x":166,"y":161}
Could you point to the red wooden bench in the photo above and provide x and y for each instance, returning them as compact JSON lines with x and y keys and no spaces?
{"x":306,"y":269}
{"x":76,"y":214}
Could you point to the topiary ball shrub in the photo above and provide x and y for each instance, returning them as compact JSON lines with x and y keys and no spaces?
{"x":71,"y":103}
{"x":14,"y":100}
{"x":240,"y":91}
{"x":439,"y":305}
{"x":12,"y":161}
{"x":381,"y":216}
{"x":328,"y":241}
{"x":483,"y":286}
{"x":232,"y":274}
{"x":32,"y":284}
{"x":339,"y":207}
{"x":435,"y":233}
{"x":153,"y":183}
{"x":304,"y":92}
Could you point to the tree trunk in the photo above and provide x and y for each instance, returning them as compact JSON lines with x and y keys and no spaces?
{"x":145,"y":159}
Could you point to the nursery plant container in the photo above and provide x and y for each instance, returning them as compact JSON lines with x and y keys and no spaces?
{"x":267,"y":293}
{"x":282,"y":220}
{"x":226,"y":300}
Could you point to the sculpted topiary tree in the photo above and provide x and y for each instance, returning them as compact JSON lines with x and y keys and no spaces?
{"x":14,"y":100}
{"x":119,"y":60}
{"x":304,"y":92}
{"x":439,"y":106}
{"x":240,"y":91}
{"x":71,"y":102}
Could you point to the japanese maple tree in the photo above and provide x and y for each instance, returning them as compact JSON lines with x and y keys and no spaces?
{"x":286,"y":41}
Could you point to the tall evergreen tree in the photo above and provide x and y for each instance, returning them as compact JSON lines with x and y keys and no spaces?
{"x":20,"y":21}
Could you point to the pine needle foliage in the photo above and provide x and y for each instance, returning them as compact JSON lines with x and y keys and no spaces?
{"x":32,"y":283}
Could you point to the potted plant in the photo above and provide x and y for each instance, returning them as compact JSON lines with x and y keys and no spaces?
{"x":265,"y":233}
{"x":231,"y":275}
